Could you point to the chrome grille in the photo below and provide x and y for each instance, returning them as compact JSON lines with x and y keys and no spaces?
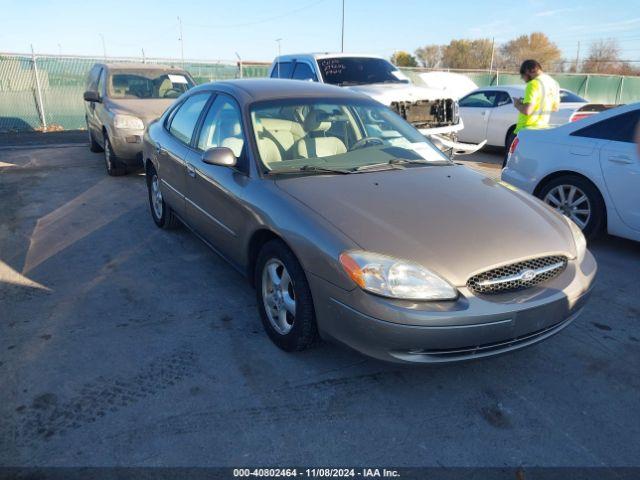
{"x":518,"y":275}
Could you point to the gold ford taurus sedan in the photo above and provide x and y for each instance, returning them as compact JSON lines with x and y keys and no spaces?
{"x":353,"y":227}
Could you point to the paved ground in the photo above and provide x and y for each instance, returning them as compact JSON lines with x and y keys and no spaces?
{"x":121,"y":344}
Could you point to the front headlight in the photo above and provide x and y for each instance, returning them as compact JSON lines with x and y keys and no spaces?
{"x":128,"y":122}
{"x":578,"y":238}
{"x":391,"y":277}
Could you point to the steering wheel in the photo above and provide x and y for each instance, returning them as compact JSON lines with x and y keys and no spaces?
{"x":363,"y":142}
{"x":178,"y":92}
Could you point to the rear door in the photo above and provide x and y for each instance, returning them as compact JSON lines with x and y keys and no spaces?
{"x":215,"y":192}
{"x":174,"y":147}
{"x":620,"y":165}
{"x":475,"y":110}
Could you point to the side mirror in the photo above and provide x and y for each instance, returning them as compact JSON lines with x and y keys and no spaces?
{"x":92,"y":96}
{"x":220,"y":156}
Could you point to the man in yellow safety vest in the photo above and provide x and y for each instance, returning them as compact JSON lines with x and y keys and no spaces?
{"x":541,"y":97}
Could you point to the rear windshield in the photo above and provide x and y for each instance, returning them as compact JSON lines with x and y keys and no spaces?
{"x":569,"y":97}
{"x":359,"y":71}
{"x":148,"y":84}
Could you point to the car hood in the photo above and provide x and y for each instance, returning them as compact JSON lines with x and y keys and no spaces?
{"x":447,"y":218}
{"x":386,"y":93}
{"x":146,"y":109}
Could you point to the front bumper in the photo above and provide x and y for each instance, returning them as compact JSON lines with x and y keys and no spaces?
{"x":127,"y":145}
{"x":468,"y":328}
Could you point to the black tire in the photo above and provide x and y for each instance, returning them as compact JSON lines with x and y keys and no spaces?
{"x":166,"y":219}
{"x":597,"y":218}
{"x":304,"y":332}
{"x":93,"y":145}
{"x":511,"y":136}
{"x":112,"y":164}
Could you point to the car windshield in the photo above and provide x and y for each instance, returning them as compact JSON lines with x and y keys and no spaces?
{"x":569,"y":97}
{"x":345,"y":71}
{"x":148,"y":84}
{"x":339,"y":136}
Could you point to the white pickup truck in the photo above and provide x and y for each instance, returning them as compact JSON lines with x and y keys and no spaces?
{"x":434,"y":114}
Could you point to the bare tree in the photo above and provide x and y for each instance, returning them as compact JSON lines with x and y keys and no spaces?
{"x":467,"y":53}
{"x":604,"y":57}
{"x":536,"y":46}
{"x":429,"y":56}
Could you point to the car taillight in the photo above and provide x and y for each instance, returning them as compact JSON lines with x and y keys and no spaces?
{"x":579,"y":116}
{"x":513,"y":146}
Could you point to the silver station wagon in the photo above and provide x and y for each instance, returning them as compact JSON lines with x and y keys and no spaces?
{"x":352,"y":226}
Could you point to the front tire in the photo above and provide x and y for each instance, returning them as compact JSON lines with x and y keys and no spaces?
{"x":93,"y":145}
{"x":162,"y":214}
{"x":284,"y":298}
{"x":577,"y":198}
{"x":113,"y":166}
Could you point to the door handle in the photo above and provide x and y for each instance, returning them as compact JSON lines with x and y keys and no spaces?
{"x":191,"y":171}
{"x":623,"y":159}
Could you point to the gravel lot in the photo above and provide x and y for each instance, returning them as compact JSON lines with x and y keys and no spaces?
{"x":121,"y":344}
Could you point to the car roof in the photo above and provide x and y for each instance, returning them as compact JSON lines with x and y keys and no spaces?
{"x":139,"y":66}
{"x":514,"y":88}
{"x":256,"y":89}
{"x":320,"y":55}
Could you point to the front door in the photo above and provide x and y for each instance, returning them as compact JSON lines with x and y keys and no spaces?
{"x":475,"y":110}
{"x":214,"y":192}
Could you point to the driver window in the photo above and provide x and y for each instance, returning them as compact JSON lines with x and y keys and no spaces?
{"x":222,"y":127}
{"x":479,"y":100}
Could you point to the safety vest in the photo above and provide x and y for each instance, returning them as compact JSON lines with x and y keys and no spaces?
{"x":543,"y":92}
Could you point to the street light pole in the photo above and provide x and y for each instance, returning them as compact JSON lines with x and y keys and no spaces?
{"x":342,"y":38}
{"x":104,"y":47}
{"x":279,"y":40}
{"x":181,"y":39}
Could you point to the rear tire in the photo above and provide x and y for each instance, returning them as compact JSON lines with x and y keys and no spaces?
{"x":511,"y":136}
{"x":112,"y":164}
{"x":577,"y":198}
{"x":285,"y":305}
{"x":162,"y":214}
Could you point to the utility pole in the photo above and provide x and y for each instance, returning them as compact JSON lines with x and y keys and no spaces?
{"x":493,"y":47}
{"x":104,"y":47}
{"x":342,"y":38}
{"x":578,"y":57}
{"x":144,"y":58}
{"x":181,"y":39}
{"x":43,"y":118}
{"x":279,"y":40}
{"x":239,"y":63}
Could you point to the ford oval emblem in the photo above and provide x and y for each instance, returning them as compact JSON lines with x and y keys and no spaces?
{"x":528,"y":275}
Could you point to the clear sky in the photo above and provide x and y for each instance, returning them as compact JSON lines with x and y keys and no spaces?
{"x":216,"y":29}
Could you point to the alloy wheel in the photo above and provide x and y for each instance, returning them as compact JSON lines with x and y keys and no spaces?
{"x":572,"y":202}
{"x":107,"y":155}
{"x":278,"y":296}
{"x":156,"y":196}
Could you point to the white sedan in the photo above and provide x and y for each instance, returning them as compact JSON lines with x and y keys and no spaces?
{"x":588,"y":170}
{"x":488,"y":113}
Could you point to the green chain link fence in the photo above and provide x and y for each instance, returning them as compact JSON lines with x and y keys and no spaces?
{"x":46,"y":90}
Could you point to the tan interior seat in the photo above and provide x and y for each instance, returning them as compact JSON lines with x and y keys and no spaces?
{"x":315,"y":144}
{"x":269,"y":151}
{"x":284,"y":133}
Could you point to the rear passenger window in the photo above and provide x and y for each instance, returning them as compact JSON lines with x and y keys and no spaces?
{"x":282,"y":70}
{"x":302,"y":71}
{"x":620,"y":128}
{"x":185,"y":118}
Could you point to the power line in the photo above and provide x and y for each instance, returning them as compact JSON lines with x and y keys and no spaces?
{"x":256,"y":22}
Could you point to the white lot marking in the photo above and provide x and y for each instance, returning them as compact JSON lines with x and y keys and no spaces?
{"x":9,"y":275}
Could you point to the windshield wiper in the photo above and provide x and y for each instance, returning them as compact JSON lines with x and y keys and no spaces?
{"x":396,"y":163}
{"x":312,"y":169}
